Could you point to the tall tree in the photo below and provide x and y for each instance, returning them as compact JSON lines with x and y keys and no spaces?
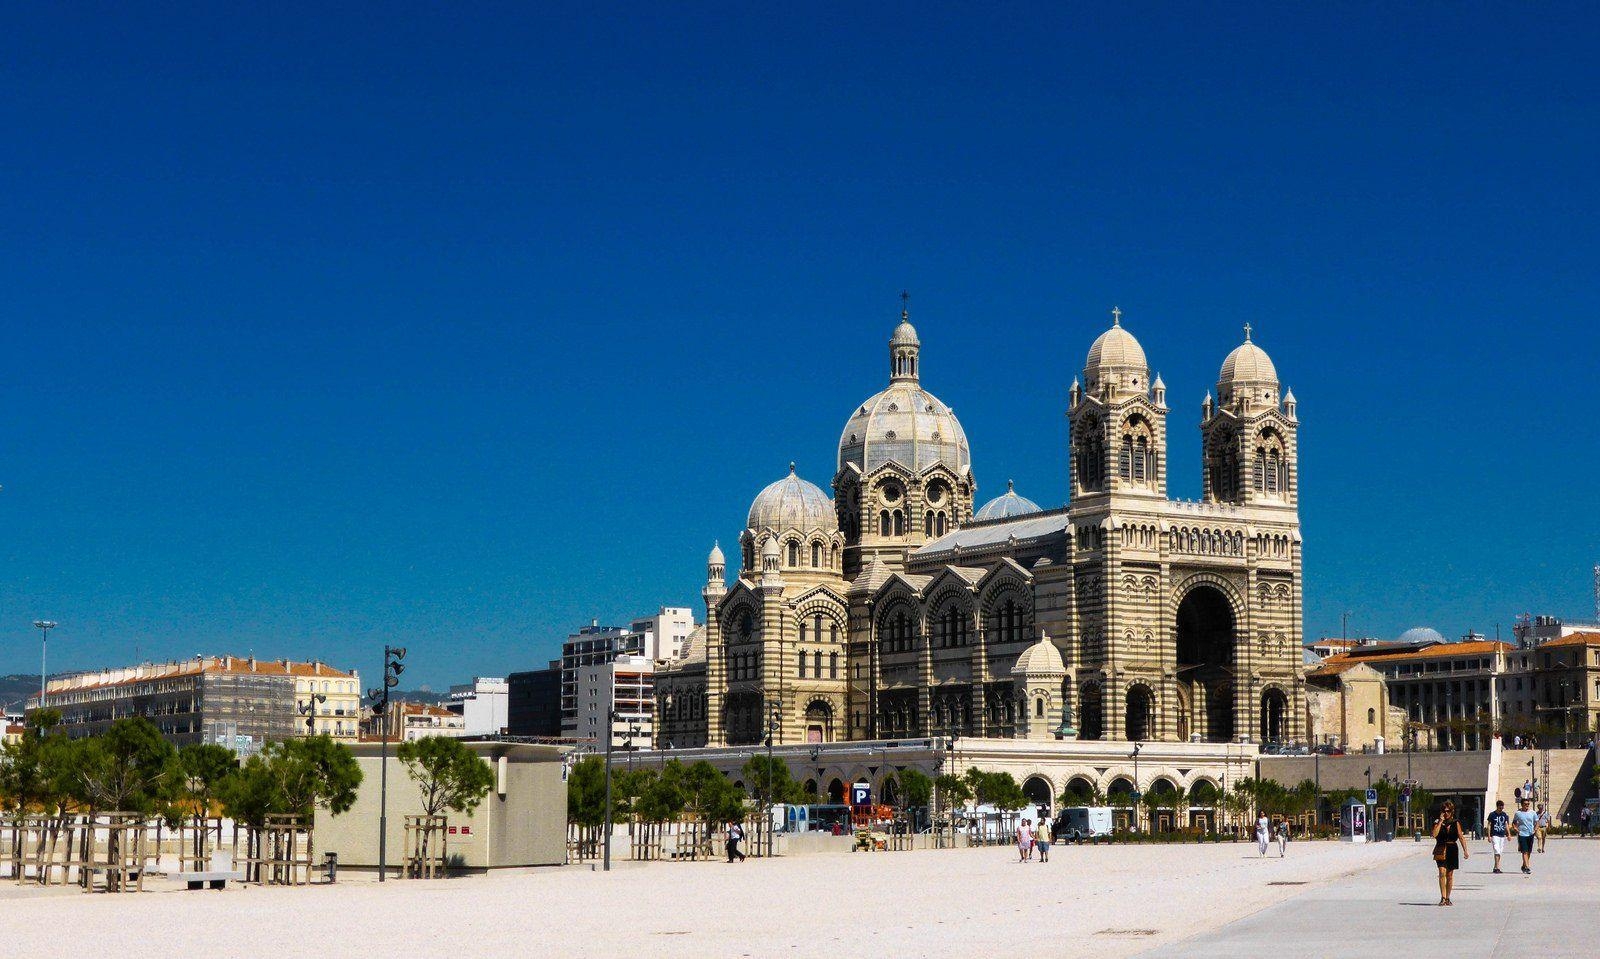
{"x":450,"y":775}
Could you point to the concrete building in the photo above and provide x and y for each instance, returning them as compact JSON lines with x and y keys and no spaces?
{"x":665,"y":633}
{"x":899,"y":607}
{"x":403,"y":721}
{"x":534,"y":701}
{"x":662,"y":637}
{"x":240,"y":702}
{"x":484,"y":704}
{"x":625,"y":685}
{"x":522,"y":822}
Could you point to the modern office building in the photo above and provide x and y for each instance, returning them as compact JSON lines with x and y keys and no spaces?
{"x":534,"y":701}
{"x":240,"y":702}
{"x":623,"y":689}
{"x":661,"y":637}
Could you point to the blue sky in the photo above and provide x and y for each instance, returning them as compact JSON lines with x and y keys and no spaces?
{"x":333,"y":325}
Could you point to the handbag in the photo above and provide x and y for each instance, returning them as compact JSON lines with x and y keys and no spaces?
{"x":1440,"y":853}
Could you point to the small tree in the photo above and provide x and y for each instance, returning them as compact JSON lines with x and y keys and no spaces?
{"x":314,"y":771}
{"x":586,"y":792}
{"x":203,"y":771}
{"x":770,"y":781}
{"x":918,"y":788}
{"x":130,"y":767}
{"x":451,"y":776}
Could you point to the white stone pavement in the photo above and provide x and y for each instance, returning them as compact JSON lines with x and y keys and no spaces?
{"x":1393,"y":911}
{"x":1104,"y":901}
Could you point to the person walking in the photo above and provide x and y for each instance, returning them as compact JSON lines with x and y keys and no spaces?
{"x":1283,"y":838}
{"x":1499,"y":824}
{"x":1449,"y":848}
{"x":1263,"y":833}
{"x":1542,"y":823}
{"x":1583,"y":822}
{"x":735,"y":835}
{"x":1042,"y":836}
{"x":1526,"y":824}
{"x":1025,"y":841}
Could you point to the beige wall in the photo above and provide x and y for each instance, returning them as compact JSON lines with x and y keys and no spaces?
{"x":523,"y":825}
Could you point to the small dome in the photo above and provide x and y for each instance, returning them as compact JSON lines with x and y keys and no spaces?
{"x":769,"y":550}
{"x":716,"y":558}
{"x":794,"y":502}
{"x":1040,"y":659}
{"x":905,"y":334}
{"x":1115,"y":349}
{"x":1248,"y":363}
{"x":1007,"y":505}
{"x":1422,"y":634}
{"x":694,"y":648}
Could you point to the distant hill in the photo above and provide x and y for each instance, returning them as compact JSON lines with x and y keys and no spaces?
{"x":17,"y":687}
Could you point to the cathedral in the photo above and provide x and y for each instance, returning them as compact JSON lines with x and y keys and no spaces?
{"x":899,"y":608}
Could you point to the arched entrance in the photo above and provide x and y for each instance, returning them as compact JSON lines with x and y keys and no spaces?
{"x":810,"y":787}
{"x":1091,"y":713}
{"x":1205,"y":661}
{"x":819,"y":723}
{"x":891,"y":790}
{"x":836,"y":793}
{"x":1079,"y":792}
{"x":1038,"y":792}
{"x":1274,"y":712}
{"x":1136,"y":719}
{"x":1163,"y":804}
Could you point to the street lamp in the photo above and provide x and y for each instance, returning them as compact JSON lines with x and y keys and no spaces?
{"x":611,"y":724}
{"x":308,"y":709}
{"x":44,"y":626}
{"x":392,"y":668}
{"x":1136,"y":794}
{"x":774,"y":721}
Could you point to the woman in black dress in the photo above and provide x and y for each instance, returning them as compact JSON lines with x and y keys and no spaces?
{"x":1447,"y":836}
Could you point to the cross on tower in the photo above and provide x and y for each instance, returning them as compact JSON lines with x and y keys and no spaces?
{"x":1116,"y":316}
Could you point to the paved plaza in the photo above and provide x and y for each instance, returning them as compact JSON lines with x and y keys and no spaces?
{"x":1325,"y":899}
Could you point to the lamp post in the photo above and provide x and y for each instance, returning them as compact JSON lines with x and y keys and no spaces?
{"x":308,"y":709}
{"x":1136,"y":794}
{"x":611,"y":720}
{"x":44,"y":626}
{"x":774,"y":720}
{"x":392,"y":668}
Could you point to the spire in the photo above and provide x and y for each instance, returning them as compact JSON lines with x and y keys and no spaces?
{"x":1010,"y":486}
{"x":791,"y":467}
{"x":904,"y":346}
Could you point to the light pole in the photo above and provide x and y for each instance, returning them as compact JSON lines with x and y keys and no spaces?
{"x":611,"y":720}
{"x":1136,"y":794}
{"x":44,"y":626}
{"x":309,"y":710}
{"x":774,"y":719}
{"x":392,"y":668}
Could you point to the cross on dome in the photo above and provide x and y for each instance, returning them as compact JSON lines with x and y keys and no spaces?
{"x":1116,"y":316}
{"x":1247,"y":331}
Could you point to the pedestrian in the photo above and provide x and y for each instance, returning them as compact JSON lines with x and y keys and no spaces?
{"x":1041,"y":838}
{"x":1263,"y":833}
{"x":1283,"y":838}
{"x":1542,"y":821}
{"x":1499,"y":822}
{"x":735,"y":835}
{"x":1025,"y":841}
{"x":1583,"y":822}
{"x":1526,"y":823}
{"x":1447,"y":837}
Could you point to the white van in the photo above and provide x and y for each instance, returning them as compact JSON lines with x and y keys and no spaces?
{"x":1080,"y":823}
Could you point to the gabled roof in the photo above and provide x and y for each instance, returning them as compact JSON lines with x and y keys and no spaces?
{"x":978,"y":535}
{"x":1572,"y":639}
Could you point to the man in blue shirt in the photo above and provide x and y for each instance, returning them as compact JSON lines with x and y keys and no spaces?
{"x":1498,"y":822}
{"x":1526,"y":823}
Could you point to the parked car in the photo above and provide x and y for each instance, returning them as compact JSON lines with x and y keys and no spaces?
{"x":1083,"y":823}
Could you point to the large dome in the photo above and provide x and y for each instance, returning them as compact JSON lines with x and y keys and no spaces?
{"x":908,"y":425}
{"x":1422,"y":634}
{"x":1007,"y":506}
{"x":792,"y":502}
